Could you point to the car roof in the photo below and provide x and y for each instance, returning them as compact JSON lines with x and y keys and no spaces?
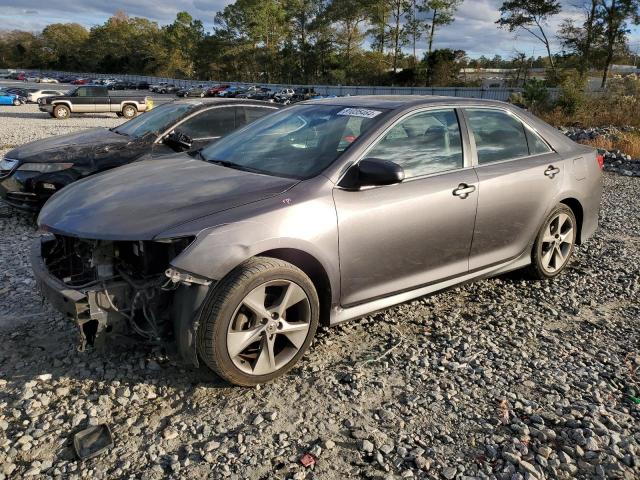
{"x":205,"y":102}
{"x":402,"y":101}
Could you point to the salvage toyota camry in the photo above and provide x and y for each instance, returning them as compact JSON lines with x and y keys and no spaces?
{"x":322,"y":212}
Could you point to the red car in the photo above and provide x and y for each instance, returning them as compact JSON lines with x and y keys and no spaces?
{"x":213,"y":91}
{"x":80,"y":81}
{"x":22,"y":77}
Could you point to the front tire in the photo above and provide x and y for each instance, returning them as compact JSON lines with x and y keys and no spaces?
{"x":129,"y":112}
{"x":258,"y":321}
{"x":554,"y":244}
{"x":61,"y":112}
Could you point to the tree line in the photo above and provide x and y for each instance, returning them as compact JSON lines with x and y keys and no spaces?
{"x":353,"y":42}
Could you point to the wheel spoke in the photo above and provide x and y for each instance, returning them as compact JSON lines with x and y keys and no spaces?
{"x":559,"y":258}
{"x":296,"y":332}
{"x":255,"y":302}
{"x":266,"y":362}
{"x":567,"y":237}
{"x":548,"y":236}
{"x":292,"y":295}
{"x":237,"y":342}
{"x":546,"y":258}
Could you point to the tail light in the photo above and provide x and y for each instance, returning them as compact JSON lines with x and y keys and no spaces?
{"x":600,"y":159}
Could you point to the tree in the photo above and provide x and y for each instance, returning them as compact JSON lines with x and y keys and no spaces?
{"x":182,"y":38}
{"x":615,"y":16}
{"x":443,"y":66}
{"x":584,"y":41}
{"x":531,"y":16}
{"x":65,"y":44}
{"x":442,"y":12}
{"x":397,"y":36}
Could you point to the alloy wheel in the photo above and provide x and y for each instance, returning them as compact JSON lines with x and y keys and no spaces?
{"x":557,"y":242}
{"x":269,"y":327}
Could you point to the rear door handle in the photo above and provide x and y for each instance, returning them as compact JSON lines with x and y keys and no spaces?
{"x":464,"y":190}
{"x":551,"y":172}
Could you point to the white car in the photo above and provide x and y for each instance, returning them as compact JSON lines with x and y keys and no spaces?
{"x":34,"y":97}
{"x":47,"y":80}
{"x":31,"y":78}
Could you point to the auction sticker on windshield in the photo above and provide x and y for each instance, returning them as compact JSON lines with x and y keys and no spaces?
{"x":359,"y":112}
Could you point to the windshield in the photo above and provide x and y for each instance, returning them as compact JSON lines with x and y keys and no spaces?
{"x":298,"y":142}
{"x":155,"y":120}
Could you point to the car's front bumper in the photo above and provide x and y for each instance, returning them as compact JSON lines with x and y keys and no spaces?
{"x":45,"y":107}
{"x":89,"y":308}
{"x":24,"y":190}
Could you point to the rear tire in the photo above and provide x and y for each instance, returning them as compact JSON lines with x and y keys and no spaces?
{"x":129,"y":111}
{"x":16,"y":103}
{"x":554,"y":244}
{"x":258,"y":321}
{"x":61,"y":112}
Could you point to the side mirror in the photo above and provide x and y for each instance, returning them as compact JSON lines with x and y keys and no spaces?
{"x":373,"y":172}
{"x":177,"y":139}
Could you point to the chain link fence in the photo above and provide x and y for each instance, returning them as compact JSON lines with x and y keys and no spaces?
{"x":501,"y":94}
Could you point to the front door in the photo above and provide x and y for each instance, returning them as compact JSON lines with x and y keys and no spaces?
{"x":83,"y":101}
{"x":400,"y":237}
{"x":520,"y":177}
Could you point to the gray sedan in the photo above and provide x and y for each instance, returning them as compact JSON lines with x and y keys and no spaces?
{"x":320,"y":213}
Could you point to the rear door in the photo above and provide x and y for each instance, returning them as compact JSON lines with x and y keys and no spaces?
{"x":520,"y":177}
{"x":101,"y":99}
{"x":400,"y":237}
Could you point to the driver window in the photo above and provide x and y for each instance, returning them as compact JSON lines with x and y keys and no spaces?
{"x":423,"y":144}
{"x":212,"y":123}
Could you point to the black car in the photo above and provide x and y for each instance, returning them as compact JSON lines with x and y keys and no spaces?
{"x":30,"y":174}
{"x":122,"y":85}
{"x":199,"y":91}
{"x":142,"y":86}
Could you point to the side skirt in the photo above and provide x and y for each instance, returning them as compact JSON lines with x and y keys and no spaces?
{"x":339,"y":314}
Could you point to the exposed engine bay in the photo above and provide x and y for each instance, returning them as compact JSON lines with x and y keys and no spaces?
{"x":115,"y":287}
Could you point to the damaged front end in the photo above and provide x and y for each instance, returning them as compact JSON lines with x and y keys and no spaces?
{"x":111,"y":288}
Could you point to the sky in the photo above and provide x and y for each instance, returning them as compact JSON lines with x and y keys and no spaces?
{"x":474,"y":30}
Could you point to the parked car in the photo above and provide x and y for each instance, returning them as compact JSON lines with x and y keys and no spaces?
{"x":322,"y":212}
{"x":94,"y":99}
{"x":80,"y":81}
{"x":199,"y":91}
{"x":68,"y":79}
{"x":122,"y":85}
{"x":8,"y":98}
{"x":21,"y":76}
{"x":301,"y":94}
{"x":228,"y":92}
{"x":36,"y":95}
{"x":47,"y":80}
{"x":164,"y":88}
{"x":23,"y":93}
{"x":262,"y":94}
{"x":142,"y":86}
{"x":284,"y":96}
{"x":214,"y":91}
{"x":30,"y":174}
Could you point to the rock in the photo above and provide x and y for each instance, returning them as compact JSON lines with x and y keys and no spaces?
{"x":170,"y":433}
{"x":366,"y":446}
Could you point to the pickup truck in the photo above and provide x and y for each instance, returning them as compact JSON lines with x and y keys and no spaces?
{"x":94,"y":99}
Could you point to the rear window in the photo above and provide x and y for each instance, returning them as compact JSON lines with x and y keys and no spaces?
{"x":498,"y":135}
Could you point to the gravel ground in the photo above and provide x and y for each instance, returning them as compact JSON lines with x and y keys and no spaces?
{"x":503,"y":378}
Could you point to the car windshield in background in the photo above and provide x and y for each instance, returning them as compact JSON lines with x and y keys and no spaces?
{"x":154,"y":120}
{"x":298,"y":142}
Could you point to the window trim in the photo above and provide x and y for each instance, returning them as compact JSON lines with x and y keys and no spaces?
{"x":198,"y":112}
{"x":464,"y":140}
{"x":525,"y":124}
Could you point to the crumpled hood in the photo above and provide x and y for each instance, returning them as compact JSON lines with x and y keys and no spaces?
{"x":80,"y":148}
{"x":143,"y":199}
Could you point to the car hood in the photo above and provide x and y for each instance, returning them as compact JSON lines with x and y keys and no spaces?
{"x":79,"y":148}
{"x":141,"y":200}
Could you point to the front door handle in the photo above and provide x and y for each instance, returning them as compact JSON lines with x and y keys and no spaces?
{"x":464,"y":190}
{"x":551,"y":172}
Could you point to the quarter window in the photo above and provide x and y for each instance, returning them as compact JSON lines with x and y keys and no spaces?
{"x":215,"y":122}
{"x":423,"y":144}
{"x":536,"y":145}
{"x":498,"y":135}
